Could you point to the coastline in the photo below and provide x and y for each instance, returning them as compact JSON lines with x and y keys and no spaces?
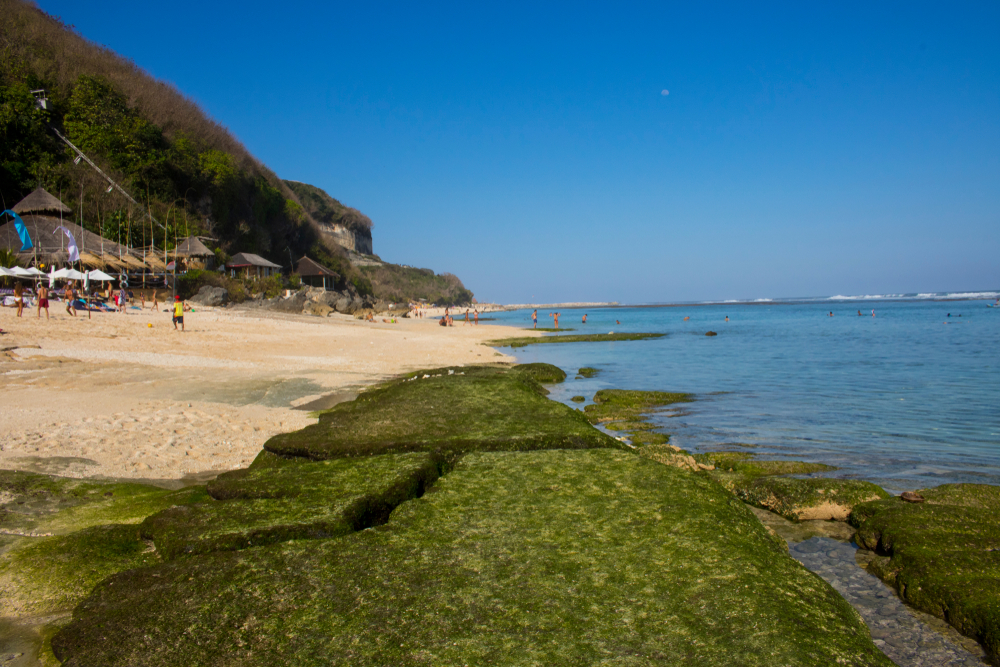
{"x":112,"y":397}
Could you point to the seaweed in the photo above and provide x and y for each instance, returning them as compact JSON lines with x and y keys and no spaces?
{"x":574,"y":338}
{"x":299,"y":500}
{"x":540,"y":372}
{"x":802,"y":499}
{"x":558,"y":557}
{"x":587,"y":372}
{"x":480,"y":408}
{"x":942,"y":556}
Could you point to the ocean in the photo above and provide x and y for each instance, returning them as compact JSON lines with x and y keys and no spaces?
{"x":908,"y":399}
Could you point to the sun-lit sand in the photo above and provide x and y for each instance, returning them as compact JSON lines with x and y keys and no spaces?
{"x":114,"y":397}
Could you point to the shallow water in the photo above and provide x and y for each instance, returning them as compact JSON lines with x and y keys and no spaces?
{"x":909,"y":398}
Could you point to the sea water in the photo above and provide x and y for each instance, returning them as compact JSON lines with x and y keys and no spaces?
{"x":909,"y":398}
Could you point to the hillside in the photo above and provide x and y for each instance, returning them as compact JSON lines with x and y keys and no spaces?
{"x":183,"y":168}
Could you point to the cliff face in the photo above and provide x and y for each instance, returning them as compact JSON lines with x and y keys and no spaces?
{"x":347,"y":227}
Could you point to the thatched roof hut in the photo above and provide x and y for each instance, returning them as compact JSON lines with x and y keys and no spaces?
{"x":315,"y":274}
{"x":37,"y":211}
{"x":41,"y":201}
{"x":248,"y":265}
{"x":192,"y":247}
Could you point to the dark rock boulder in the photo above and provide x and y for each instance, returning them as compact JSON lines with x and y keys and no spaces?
{"x":293,"y":304}
{"x":210,"y":296}
{"x":711,"y":333}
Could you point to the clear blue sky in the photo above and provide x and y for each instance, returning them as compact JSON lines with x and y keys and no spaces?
{"x":803,"y":148}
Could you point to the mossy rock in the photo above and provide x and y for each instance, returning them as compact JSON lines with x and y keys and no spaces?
{"x":803,"y":499}
{"x":547,"y":558}
{"x":299,"y":500}
{"x":578,"y":399}
{"x":52,"y":574}
{"x":649,"y":438}
{"x":617,"y":404}
{"x":587,"y":372}
{"x":574,"y":338}
{"x":484,"y":409}
{"x":632,"y":425}
{"x":544,"y":373}
{"x":942,"y":556}
{"x":747,"y":464}
{"x":39,"y":505}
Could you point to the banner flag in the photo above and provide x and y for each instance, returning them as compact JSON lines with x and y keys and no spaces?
{"x":22,"y":231}
{"x":74,"y":252}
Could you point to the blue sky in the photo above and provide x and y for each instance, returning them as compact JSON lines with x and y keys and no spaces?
{"x":803,"y":149}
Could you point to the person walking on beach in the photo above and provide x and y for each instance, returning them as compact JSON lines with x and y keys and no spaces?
{"x":179,"y":308}
{"x":43,"y":300}
{"x":70,"y":294}
{"x":19,"y":298}
{"x":534,"y":319}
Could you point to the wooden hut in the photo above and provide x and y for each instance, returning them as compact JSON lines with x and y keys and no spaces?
{"x":42,"y":214}
{"x":195,"y":254}
{"x":315,"y":274}
{"x":249,"y":265}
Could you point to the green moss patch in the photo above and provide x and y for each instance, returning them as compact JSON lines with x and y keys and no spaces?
{"x":574,"y":338}
{"x":549,"y":329}
{"x":33,"y":504}
{"x":53,"y":574}
{"x":544,"y":373}
{"x":746,"y":463}
{"x":803,"y":499}
{"x":544,"y":558}
{"x":578,"y":399}
{"x":484,"y":409}
{"x":617,"y":404}
{"x":588,"y":372}
{"x":298,"y":500}
{"x":942,"y":556}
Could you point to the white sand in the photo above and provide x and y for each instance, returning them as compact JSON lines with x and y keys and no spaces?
{"x":114,"y":397}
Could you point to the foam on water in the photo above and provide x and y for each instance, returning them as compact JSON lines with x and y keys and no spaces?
{"x":907,"y":399}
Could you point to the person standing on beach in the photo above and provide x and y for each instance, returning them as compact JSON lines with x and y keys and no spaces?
{"x":179,"y":308}
{"x":19,"y":297}
{"x":477,"y":318}
{"x":466,"y":317}
{"x":534,"y":319}
{"x":555,"y":316}
{"x":43,"y":300}
{"x":70,"y":294}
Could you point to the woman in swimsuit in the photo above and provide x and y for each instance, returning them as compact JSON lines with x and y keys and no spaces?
{"x":19,"y":298}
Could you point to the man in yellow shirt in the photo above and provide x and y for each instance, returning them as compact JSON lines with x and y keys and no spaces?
{"x":179,"y":308}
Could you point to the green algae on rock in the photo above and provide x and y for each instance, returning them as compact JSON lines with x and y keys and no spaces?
{"x":617,"y":404}
{"x":32,"y":504}
{"x":587,"y":372}
{"x":484,"y":408}
{"x":299,"y":500}
{"x":540,"y":372}
{"x":803,"y":499}
{"x":574,"y":338}
{"x":746,"y":463}
{"x":578,"y":399}
{"x":556,"y":557}
{"x":942,"y":556}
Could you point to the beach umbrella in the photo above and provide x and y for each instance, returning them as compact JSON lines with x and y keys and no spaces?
{"x":97,"y":274}
{"x":20,"y":273}
{"x":60,"y":274}
{"x":6,"y":272}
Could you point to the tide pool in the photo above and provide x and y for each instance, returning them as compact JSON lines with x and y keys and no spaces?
{"x":908,"y":399}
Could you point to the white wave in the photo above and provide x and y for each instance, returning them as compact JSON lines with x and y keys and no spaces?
{"x":972,"y":295}
{"x":762,"y":300}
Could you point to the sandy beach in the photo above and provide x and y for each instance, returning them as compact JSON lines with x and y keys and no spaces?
{"x":115,"y":397}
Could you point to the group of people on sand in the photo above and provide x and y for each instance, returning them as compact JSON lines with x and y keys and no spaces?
{"x":77,"y":299}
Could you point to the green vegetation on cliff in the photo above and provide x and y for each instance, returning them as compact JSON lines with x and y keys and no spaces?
{"x":941,"y":555}
{"x":189,"y":171}
{"x":392,"y":282}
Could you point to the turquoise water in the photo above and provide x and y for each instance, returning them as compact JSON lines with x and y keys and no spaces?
{"x":909,"y":398}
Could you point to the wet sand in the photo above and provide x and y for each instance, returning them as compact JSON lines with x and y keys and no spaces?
{"x":114,"y":397}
